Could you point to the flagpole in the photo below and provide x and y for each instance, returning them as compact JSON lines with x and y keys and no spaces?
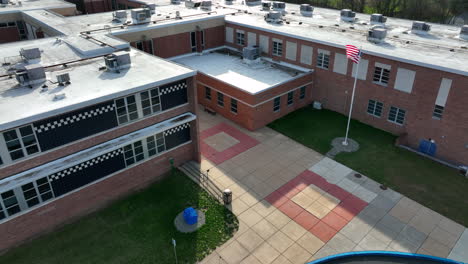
{"x":345,"y":142}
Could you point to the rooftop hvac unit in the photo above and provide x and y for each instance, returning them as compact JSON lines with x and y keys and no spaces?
{"x":175,"y":2}
{"x":206,"y":4}
{"x":117,"y":61}
{"x":420,"y":27}
{"x":31,"y":74}
{"x":251,"y":53}
{"x":63,"y":79}
{"x":152,"y":8}
{"x":30,"y":54}
{"x":252,"y":2}
{"x":274,"y":17}
{"x":377,"y":34}
{"x":228,"y":2}
{"x":347,"y":15}
{"x":192,"y":4}
{"x":120,"y":15}
{"x":141,"y":14}
{"x":281,"y":6}
{"x":266,"y":6}
{"x":4,"y":2}
{"x":378,"y":18}
{"x":306,"y":10}
{"x":464,"y":32}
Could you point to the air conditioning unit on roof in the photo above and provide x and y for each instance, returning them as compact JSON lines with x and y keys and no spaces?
{"x":30,"y":75}
{"x":120,"y":15}
{"x":377,"y":34}
{"x":464,"y":32}
{"x":279,"y":6}
{"x":141,"y":15}
{"x":306,"y":10}
{"x":251,"y":53}
{"x":347,"y":15}
{"x":419,"y":27}
{"x":274,"y":17}
{"x":378,"y":19}
{"x":30,"y":54}
{"x":252,"y":2}
{"x":117,"y":61}
{"x":266,"y":6}
{"x":206,"y":5}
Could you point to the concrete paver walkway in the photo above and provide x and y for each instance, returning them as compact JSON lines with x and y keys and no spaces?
{"x":295,"y":205}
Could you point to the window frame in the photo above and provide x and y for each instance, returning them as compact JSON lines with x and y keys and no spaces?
{"x":126,"y":106}
{"x":193,"y":41}
{"x":397,"y":115}
{"x":323,"y":60}
{"x":290,"y":98}
{"x":381,"y":76}
{"x":150,"y":99}
{"x":39,"y":195}
{"x":277,"y":104}
{"x":302,"y":92}
{"x":234,"y":104}
{"x":207,"y":93}
{"x":140,"y":43}
{"x":20,"y":138}
{"x":438,"y":112}
{"x":220,"y":99}
{"x":154,"y":139}
{"x":132,"y":147}
{"x":240,"y":38}
{"x":376,"y":105}
{"x":277,"y":48}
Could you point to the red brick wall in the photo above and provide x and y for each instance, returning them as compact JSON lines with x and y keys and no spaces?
{"x":74,"y":205}
{"x":334,"y":91}
{"x":214,"y":37}
{"x":248,"y":116}
{"x":95,"y":140}
{"x":173,"y":45}
{"x":9,"y":34}
{"x":96,"y":6}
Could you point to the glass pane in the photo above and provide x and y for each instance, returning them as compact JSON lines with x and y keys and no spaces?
{"x":131,"y":99}
{"x":156,"y":108}
{"x":145,"y":103}
{"x":129,"y":161}
{"x":132,"y":108}
{"x":123,"y":119}
{"x":140,"y":157}
{"x":13,"y":210}
{"x":155,"y":100}
{"x":144,"y":95}
{"x":10,"y":201}
{"x":161,"y":149}
{"x":42,"y":181}
{"x":43,"y":188}
{"x":146,"y":111}
{"x":151,"y":145}
{"x":2,"y":215}
{"x":121,"y":111}
{"x":7,"y":194}
{"x":14,"y":144}
{"x":27,"y":186}
{"x":32,"y":149}
{"x":30,"y":194}
{"x":17,"y":154}
{"x":32,"y":202}
{"x":154,"y":92}
{"x":133,"y":116}
{"x":29,"y":140}
{"x":120,"y":103}
{"x":27,"y":130}
{"x":46,"y":196}
{"x":152,"y":152}
{"x":10,"y":135}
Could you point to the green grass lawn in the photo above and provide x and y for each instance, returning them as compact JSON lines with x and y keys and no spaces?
{"x":137,"y":229}
{"x":434,"y":185}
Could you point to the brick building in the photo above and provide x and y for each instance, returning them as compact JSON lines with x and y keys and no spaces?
{"x":68,"y":149}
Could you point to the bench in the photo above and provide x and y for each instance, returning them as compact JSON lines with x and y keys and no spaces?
{"x":210,"y":111}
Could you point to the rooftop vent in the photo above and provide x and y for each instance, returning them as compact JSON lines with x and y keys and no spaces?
{"x":306,"y":10}
{"x":31,"y":74}
{"x":266,"y":6}
{"x":347,"y":15}
{"x":206,"y":4}
{"x":252,"y":2}
{"x":251,"y":53}
{"x":141,"y":15}
{"x":279,"y":6}
{"x":63,"y":79}
{"x":377,"y":34}
{"x":420,"y":27}
{"x":120,"y":15}
{"x":273,"y":17}
{"x":117,"y":61}
{"x":30,"y":54}
{"x":192,"y":4}
{"x":464,"y":32}
{"x":378,"y":19}
{"x":175,"y":2}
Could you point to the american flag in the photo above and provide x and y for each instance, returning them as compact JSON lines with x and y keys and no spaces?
{"x":353,"y":53}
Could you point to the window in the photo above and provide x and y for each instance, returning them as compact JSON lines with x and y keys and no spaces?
{"x":396,"y":115}
{"x":37,"y":192}
{"x":193,"y":41}
{"x":291,"y":98}
{"x":207,"y":93}
{"x":381,"y":75}
{"x":438,"y":111}
{"x":276,"y":104}
{"x":150,"y":101}
{"x":202,"y":35}
{"x":21,"y":142}
{"x":126,"y":109}
{"x":323,"y":60}
{"x":240,"y":38}
{"x":277,"y":48}
{"x":233,"y":105}
{"x":133,"y":153}
{"x":220,"y":99}
{"x":150,"y":46}
{"x":139,"y":45}
{"x":155,"y":144}
{"x":302,"y":92}
{"x":375,"y":108}
{"x":10,"y":203}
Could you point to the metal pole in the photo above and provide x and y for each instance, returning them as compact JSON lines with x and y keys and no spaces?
{"x":175,"y":252}
{"x":345,"y":142}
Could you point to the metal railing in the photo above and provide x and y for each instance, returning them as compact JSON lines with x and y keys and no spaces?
{"x":203,"y":180}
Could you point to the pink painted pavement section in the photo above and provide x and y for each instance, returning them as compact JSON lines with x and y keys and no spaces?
{"x":245,"y":142}
{"x":327,"y":227}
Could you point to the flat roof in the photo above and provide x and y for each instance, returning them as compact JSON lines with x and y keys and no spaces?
{"x":34,"y":4}
{"x":21,"y":105}
{"x":440,"y":49}
{"x":231,"y":69}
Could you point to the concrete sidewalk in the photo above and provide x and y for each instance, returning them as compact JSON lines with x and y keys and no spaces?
{"x":295,"y":205}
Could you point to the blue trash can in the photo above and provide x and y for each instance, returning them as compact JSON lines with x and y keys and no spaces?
{"x":190,"y":216}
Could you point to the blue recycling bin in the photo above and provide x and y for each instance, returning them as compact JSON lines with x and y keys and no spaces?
{"x":190,"y":216}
